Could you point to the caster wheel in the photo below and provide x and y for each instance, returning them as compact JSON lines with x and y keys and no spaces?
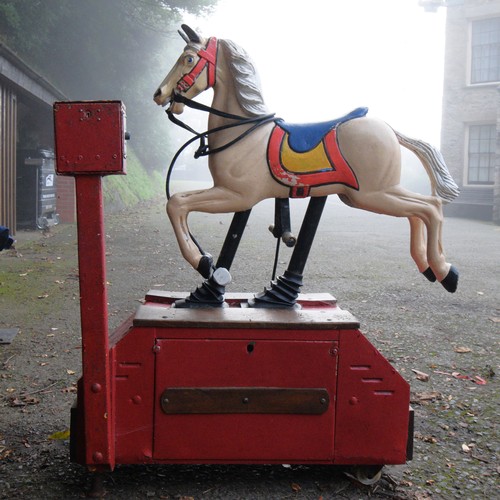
{"x":365,"y":474}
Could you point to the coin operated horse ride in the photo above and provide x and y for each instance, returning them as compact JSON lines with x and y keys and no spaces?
{"x":291,"y":379}
{"x":253,"y":156}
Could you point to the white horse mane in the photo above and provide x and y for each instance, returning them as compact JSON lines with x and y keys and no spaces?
{"x":246,"y":78}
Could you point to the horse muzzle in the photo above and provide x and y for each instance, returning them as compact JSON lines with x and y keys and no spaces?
{"x":161,"y":98}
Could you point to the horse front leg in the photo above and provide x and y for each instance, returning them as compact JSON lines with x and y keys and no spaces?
{"x":178,"y":210}
{"x":214,"y":200}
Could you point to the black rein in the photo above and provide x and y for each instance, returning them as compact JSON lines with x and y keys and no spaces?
{"x":204,"y":149}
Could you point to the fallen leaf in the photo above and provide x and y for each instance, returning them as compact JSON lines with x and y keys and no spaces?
{"x":61,"y":435}
{"x":70,"y":389}
{"x":23,"y":401}
{"x":425,"y":439}
{"x":70,"y":372}
{"x":424,"y":377}
{"x":465,"y":448}
{"x":479,"y":380}
{"x":427,"y":396}
{"x":43,"y":296}
{"x":462,"y":349}
{"x":296,"y":487}
{"x":495,"y":319}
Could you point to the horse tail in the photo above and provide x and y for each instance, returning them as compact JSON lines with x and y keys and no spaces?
{"x":441,"y":180}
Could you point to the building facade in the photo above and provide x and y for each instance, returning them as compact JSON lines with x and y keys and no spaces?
{"x":26,"y":124}
{"x":470,"y":134}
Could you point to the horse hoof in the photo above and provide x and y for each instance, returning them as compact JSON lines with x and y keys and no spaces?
{"x":450,"y":282}
{"x":429,"y":274}
{"x":205,"y":266}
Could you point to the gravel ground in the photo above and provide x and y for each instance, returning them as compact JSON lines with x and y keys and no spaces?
{"x":362,"y":259}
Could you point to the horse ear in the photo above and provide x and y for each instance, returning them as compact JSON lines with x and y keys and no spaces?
{"x":193,"y":36}
{"x":184,"y":37}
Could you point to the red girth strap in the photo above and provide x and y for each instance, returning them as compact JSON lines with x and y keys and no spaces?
{"x":208,"y":56}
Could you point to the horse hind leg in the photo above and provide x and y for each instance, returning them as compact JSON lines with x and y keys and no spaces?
{"x":399,"y":202}
{"x":418,"y":250}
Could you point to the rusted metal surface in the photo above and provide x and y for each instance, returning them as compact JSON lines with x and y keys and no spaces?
{"x":268,"y":400}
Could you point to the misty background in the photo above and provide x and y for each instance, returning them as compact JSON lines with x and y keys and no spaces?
{"x":317,"y":60}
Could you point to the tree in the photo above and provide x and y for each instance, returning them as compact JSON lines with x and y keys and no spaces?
{"x":102,"y":49}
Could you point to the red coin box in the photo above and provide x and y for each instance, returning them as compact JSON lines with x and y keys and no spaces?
{"x":90,"y":137}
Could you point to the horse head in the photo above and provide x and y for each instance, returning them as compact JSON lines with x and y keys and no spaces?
{"x":193,"y":72}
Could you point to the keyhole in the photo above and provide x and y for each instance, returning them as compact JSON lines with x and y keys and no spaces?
{"x":250,"y":347}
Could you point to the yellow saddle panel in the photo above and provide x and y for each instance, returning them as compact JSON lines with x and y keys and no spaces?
{"x":310,"y":161}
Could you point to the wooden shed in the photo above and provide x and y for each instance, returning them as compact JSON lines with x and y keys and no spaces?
{"x":26,"y":122}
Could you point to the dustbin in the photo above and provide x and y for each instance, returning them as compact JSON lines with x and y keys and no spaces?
{"x":36,"y":189}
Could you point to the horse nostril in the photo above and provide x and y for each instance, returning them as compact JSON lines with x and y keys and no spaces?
{"x":157,"y":93}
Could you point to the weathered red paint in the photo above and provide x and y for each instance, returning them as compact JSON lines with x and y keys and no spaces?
{"x":119,"y":417}
{"x":89,"y":144}
{"x":90,"y":137}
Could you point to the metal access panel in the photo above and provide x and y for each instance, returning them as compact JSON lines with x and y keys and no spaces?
{"x":90,"y":137}
{"x":244,"y":400}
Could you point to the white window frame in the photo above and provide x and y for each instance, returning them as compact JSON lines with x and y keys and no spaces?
{"x":466,"y":181}
{"x":470,"y":64}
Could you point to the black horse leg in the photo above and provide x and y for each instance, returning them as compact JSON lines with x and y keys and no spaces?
{"x":281,"y":229}
{"x":285,"y":290}
{"x":211,"y":292}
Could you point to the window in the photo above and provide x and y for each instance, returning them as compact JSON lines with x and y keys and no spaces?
{"x":482,"y":149}
{"x":485,"y":53}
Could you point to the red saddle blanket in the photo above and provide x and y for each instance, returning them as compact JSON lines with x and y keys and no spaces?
{"x":322,"y":164}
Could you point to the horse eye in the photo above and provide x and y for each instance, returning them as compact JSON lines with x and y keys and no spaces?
{"x":189,"y":59}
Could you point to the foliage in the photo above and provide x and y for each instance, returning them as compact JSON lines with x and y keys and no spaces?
{"x":102,"y":49}
{"x":136,"y":186}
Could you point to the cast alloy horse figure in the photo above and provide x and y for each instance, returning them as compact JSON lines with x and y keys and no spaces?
{"x":256,"y":157}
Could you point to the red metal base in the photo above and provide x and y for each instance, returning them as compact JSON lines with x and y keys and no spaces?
{"x":365,"y":417}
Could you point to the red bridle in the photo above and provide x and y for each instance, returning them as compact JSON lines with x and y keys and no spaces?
{"x":208,"y":57}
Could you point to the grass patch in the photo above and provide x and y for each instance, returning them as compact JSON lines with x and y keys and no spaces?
{"x":138,"y":185}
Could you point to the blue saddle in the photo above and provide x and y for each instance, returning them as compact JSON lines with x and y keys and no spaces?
{"x":305,"y":136}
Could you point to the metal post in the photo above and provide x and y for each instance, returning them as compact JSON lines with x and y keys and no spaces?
{"x":94,"y":322}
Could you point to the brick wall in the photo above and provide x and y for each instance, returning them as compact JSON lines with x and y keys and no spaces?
{"x":465,"y":104}
{"x":66,"y":203}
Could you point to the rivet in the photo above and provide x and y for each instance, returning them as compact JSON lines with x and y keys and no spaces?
{"x":322,"y":401}
{"x":245,"y":401}
{"x":96,"y":387}
{"x":137,"y":400}
{"x":354,"y":400}
{"x":97,"y":456}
